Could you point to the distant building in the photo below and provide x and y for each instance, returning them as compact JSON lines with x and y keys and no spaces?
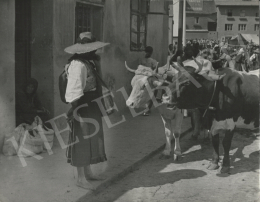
{"x":201,"y":19}
{"x":237,"y":16}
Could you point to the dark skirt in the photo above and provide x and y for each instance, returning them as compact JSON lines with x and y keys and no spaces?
{"x":238,"y":67}
{"x":88,"y":150}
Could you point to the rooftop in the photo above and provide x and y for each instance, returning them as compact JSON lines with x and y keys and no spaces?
{"x":237,"y":2}
{"x":207,"y":7}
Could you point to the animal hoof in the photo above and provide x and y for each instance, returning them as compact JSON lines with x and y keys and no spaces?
{"x":175,"y":157}
{"x":213,"y":166}
{"x":224,"y":169}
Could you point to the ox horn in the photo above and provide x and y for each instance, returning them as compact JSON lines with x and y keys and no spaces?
{"x":129,"y":69}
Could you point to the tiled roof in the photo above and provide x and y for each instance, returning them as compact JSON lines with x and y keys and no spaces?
{"x":236,"y":3}
{"x":209,"y":7}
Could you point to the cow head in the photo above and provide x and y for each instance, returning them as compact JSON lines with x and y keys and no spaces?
{"x":143,"y":86}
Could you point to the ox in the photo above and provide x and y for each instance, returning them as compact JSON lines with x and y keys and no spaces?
{"x":236,"y":95}
{"x":144,"y":84}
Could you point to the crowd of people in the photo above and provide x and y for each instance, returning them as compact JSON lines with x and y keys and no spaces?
{"x":219,"y":54}
{"x":241,"y":58}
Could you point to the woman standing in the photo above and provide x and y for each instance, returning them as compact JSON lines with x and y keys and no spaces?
{"x":82,"y":88}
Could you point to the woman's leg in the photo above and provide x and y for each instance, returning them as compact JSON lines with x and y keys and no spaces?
{"x":82,"y":181}
{"x":90,"y":175}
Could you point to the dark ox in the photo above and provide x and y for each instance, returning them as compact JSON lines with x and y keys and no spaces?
{"x":143,"y":88}
{"x":236,"y":95}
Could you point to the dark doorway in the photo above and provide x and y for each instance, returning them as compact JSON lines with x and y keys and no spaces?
{"x":22,"y":42}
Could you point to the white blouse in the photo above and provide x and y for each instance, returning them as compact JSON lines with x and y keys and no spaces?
{"x":77,"y":79}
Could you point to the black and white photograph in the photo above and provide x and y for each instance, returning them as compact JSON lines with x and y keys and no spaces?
{"x":129,"y":101}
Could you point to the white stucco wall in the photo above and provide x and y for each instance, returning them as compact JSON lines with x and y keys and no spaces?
{"x":7,"y":67}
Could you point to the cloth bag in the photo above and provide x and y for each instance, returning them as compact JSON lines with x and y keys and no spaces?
{"x":46,"y":133}
{"x":36,"y":138}
{"x":32,"y":142}
{"x":9,"y":147}
{"x":49,"y":134}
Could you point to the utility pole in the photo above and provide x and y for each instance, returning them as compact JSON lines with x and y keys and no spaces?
{"x":184,"y":23}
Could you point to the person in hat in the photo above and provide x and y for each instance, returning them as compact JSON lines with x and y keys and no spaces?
{"x":215,"y":58}
{"x":148,"y":61}
{"x":82,"y":88}
{"x":28,"y":104}
{"x":240,"y":60}
{"x":254,"y":59}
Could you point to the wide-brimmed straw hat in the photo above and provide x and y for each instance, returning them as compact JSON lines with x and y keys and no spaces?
{"x":85,"y":43}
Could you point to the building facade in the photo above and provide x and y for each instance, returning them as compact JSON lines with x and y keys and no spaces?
{"x":35,"y":34}
{"x":201,"y":20}
{"x":238,"y":16}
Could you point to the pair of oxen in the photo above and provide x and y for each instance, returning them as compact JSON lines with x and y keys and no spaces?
{"x":236,"y":95}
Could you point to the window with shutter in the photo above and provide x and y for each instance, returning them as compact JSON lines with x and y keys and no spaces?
{"x":138,"y":22}
{"x":89,"y":18}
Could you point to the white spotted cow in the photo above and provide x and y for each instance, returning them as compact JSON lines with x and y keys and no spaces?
{"x":234,"y":96}
{"x":143,"y":84}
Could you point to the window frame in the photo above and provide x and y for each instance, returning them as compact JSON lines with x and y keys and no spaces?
{"x":256,"y":27}
{"x":77,"y":29}
{"x":93,"y":7}
{"x":242,"y":13}
{"x":228,"y":27}
{"x":196,"y":20}
{"x":139,"y":15}
{"x":228,"y":12}
{"x":243,"y":25}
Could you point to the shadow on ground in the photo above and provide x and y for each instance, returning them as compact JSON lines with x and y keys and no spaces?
{"x":239,"y":162}
{"x":244,"y":158}
{"x":153,"y":178}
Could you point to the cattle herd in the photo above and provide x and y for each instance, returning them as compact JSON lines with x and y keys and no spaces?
{"x":235,"y":95}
